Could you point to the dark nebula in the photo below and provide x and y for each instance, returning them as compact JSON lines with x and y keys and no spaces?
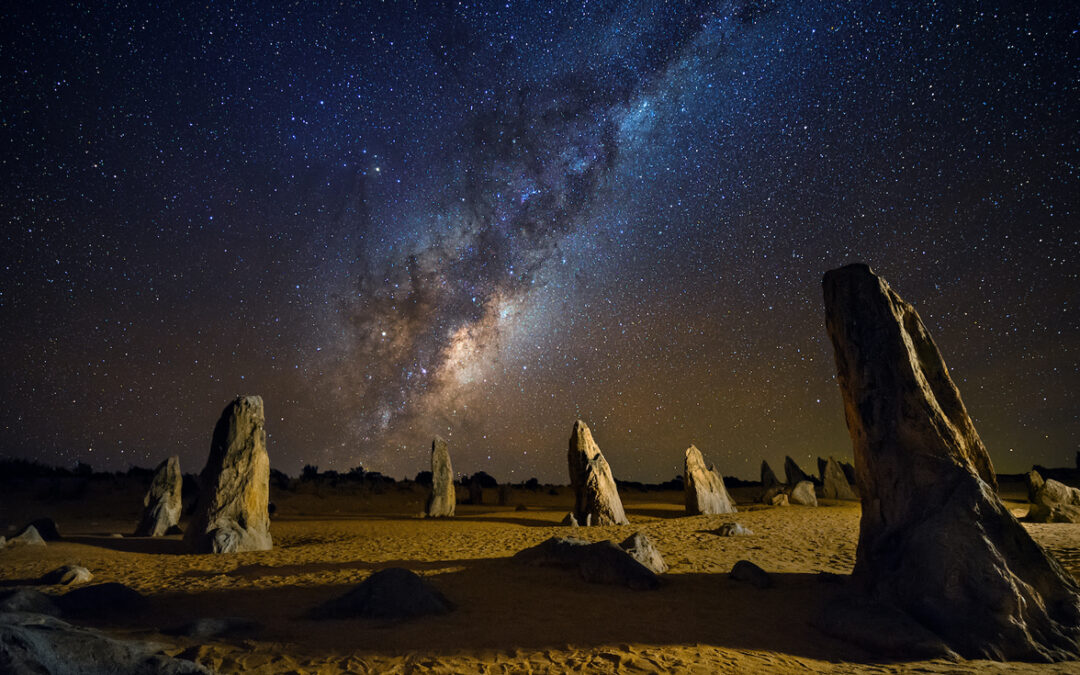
{"x":487,"y":220}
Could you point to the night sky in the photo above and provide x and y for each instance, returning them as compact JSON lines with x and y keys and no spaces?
{"x":488,"y":220}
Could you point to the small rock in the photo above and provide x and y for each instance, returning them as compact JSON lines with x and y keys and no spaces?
{"x":746,"y":571}
{"x":803,"y":494}
{"x":28,"y":537}
{"x":68,"y":575}
{"x":733,"y":530}
{"x":101,"y":599}
{"x":779,"y":499}
{"x":600,"y":563}
{"x":393,"y":594}
{"x":641,"y":549}
{"x":46,"y":528}
{"x":569,"y":520}
{"x":521,"y":507}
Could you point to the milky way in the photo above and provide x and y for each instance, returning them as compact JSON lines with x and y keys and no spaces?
{"x":487,"y":221}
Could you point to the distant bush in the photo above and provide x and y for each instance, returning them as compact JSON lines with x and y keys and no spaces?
{"x":423,"y":478}
{"x":309,"y":472}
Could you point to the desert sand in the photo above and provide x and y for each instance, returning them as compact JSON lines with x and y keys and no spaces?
{"x":509,"y":618}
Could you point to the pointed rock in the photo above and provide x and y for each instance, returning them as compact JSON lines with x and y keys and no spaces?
{"x":935,"y":540}
{"x":443,"y":498}
{"x":162,"y":503}
{"x":794,"y":473}
{"x":704,"y":487}
{"x":232,"y":512}
{"x":835,"y":484}
{"x":771,"y":486}
{"x":596,"y":499}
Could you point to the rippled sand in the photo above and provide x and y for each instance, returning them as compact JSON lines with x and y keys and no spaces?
{"x":509,"y":618}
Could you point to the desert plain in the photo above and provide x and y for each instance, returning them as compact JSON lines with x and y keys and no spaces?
{"x":508,"y":617}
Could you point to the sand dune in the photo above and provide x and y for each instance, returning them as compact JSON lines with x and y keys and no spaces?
{"x":509,"y":618}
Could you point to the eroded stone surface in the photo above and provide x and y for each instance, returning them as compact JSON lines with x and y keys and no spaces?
{"x":443,"y":498}
{"x":704,"y":487}
{"x":232,"y":511}
{"x":935,"y":541}
{"x":162,"y":503}
{"x":596,"y":499}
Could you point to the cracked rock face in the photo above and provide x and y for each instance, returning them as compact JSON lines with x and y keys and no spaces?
{"x":231,"y":514}
{"x":162,"y":503}
{"x":704,"y":487}
{"x":443,"y":498}
{"x":596,"y":499}
{"x":934,"y":540}
{"x":1052,"y":501}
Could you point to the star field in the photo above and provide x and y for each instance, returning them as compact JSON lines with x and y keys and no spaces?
{"x":485,"y":220}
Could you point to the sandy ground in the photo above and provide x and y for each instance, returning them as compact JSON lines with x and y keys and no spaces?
{"x":509,"y":618}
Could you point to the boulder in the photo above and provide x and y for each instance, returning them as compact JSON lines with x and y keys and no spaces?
{"x":641,"y":549}
{"x":1054,"y":502}
{"x":234,"y":486}
{"x":36,"y":643}
{"x":733,"y":530}
{"x":68,"y":575}
{"x":935,"y":541}
{"x":604,"y":562}
{"x":835,"y":484}
{"x":162,"y":503}
{"x":748,"y":572}
{"x":779,"y":499}
{"x":794,"y":473}
{"x":803,"y":494}
{"x":703,"y":487}
{"x":443,"y":498}
{"x":596,"y":499}
{"x":392,"y":594}
{"x":28,"y":537}
{"x":46,"y":529}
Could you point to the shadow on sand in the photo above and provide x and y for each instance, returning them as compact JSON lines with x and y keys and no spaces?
{"x":502,"y":605}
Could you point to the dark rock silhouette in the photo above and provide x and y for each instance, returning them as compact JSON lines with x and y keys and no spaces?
{"x":28,"y":600}
{"x":443,"y":498}
{"x":748,"y":572}
{"x":770,"y":484}
{"x":596,"y":499}
{"x":704,"y":487}
{"x":835,"y":484}
{"x":162,"y":504}
{"x":393,"y":594}
{"x":794,"y":473}
{"x":476,"y":491}
{"x":101,"y":599}
{"x":935,"y":540}
{"x":234,"y":487}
